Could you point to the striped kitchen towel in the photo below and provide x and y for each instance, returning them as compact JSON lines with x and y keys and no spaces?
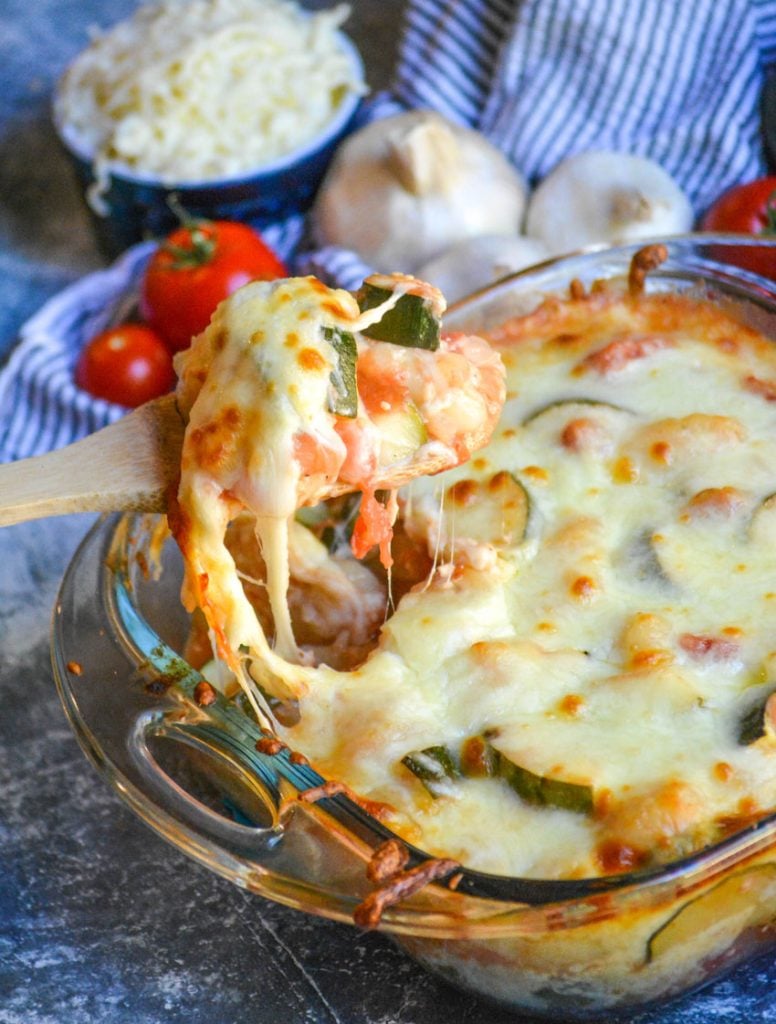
{"x":675,"y":80}
{"x":679,"y":81}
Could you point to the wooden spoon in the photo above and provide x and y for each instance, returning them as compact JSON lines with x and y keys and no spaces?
{"x":131,"y":465}
{"x":127,"y":466}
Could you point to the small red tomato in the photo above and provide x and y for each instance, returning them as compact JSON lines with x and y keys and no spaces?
{"x":198,"y":266}
{"x":749,"y":209}
{"x":128,"y":365}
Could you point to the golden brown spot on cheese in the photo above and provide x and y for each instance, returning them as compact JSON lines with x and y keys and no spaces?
{"x":617,"y":354}
{"x":547,"y":627}
{"x":257,"y":337}
{"x":763,"y":388}
{"x":292,"y":339}
{"x":218,"y":342}
{"x":474,"y":757}
{"x":509,"y":432}
{"x":537,"y":474}
{"x":603,"y":800}
{"x":335,"y":309}
{"x":231,"y":417}
{"x":464,"y":492}
{"x":648,"y":659}
{"x":584,"y":588}
{"x":661,"y":452}
{"x":624,"y":471}
{"x":714,"y":502}
{"x":499,"y":481}
{"x":565,"y":339}
{"x":479,"y":464}
{"x":615,"y":857}
{"x":580,"y":434}
{"x":310,"y":359}
{"x":572,"y":704}
{"x":722,"y":771}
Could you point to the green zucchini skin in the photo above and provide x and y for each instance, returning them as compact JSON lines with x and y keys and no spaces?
{"x":640,"y":558}
{"x":762,"y":528}
{"x":542,"y":791}
{"x":343,"y":393}
{"x":562,"y":403}
{"x":435,"y":767}
{"x":753,"y":724}
{"x":409,"y":323}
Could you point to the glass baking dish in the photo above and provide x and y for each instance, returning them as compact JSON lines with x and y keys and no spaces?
{"x":574,"y":948}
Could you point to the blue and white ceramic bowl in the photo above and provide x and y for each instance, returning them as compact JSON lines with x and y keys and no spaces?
{"x":138,"y":204}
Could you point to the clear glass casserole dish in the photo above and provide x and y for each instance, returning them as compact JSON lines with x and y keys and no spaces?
{"x":570,"y":948}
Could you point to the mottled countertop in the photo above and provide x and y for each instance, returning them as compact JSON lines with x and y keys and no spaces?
{"x":100,"y":920}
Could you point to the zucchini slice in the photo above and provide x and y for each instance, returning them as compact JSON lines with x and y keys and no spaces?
{"x":762,"y":528}
{"x":640,"y":559}
{"x":435,"y":767}
{"x":402,"y":433}
{"x":496,"y":511}
{"x":538,"y":790}
{"x":543,"y":791}
{"x":343,"y":393}
{"x":758,"y":719}
{"x":410,"y":322}
{"x":713,"y":922}
{"x":573,"y":407}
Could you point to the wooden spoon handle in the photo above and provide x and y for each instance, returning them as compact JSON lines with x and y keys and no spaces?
{"x":127,"y":466}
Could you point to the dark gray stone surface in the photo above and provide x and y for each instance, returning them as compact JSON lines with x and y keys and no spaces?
{"x":100,"y":921}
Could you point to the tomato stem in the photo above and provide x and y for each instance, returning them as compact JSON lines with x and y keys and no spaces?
{"x":201,"y":249}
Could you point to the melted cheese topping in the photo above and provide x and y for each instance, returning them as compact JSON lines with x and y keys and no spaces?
{"x":255,"y":389}
{"x":603,"y":606}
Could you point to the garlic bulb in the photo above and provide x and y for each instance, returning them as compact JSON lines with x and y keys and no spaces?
{"x":475,"y":262}
{"x":407,"y":187}
{"x":606,"y":197}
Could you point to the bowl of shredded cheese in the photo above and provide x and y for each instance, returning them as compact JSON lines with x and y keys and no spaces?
{"x":234,"y":106}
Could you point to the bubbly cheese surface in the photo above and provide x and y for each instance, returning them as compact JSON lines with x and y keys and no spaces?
{"x":601,"y":608}
{"x":577,"y":673}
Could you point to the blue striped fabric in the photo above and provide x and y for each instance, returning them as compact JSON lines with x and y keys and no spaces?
{"x":675,"y":80}
{"x":543,"y":79}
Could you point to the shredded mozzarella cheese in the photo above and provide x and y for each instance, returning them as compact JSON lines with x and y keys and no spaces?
{"x":191,"y":90}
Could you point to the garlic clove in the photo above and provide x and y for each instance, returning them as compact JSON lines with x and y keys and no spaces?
{"x":424,"y":156}
{"x":407,"y":187}
{"x":479,"y":261}
{"x":602,"y":196}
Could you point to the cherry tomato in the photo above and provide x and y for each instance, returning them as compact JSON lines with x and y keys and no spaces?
{"x":198,"y":266}
{"x":128,"y":365}
{"x":750,"y":209}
